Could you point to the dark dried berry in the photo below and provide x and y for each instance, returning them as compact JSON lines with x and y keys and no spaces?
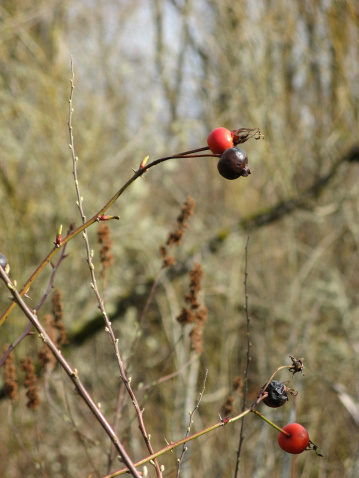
{"x":3,"y":261}
{"x":233,"y":163}
{"x":277,"y":394}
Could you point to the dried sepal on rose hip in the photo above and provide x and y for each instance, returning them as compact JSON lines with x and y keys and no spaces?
{"x":233,"y":163}
{"x":277,"y":394}
{"x":242,"y":135}
{"x":297,"y":365}
{"x":313,"y":447}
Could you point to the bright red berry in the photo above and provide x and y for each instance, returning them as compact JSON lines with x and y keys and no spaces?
{"x":219,"y":140}
{"x":298,"y":440}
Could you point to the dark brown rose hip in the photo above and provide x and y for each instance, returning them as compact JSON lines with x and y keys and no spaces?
{"x":233,"y":163}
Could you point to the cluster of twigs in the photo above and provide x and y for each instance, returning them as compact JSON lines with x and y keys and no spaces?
{"x":60,"y":244}
{"x":194,"y":313}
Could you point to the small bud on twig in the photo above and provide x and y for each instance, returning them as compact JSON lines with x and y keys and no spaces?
{"x":105,"y":217}
{"x":144,"y":162}
{"x":58,"y":237}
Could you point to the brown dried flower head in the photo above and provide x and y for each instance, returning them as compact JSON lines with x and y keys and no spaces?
{"x":176,"y":236}
{"x":167,"y":261}
{"x":105,"y":241}
{"x":27,"y":365}
{"x":238,"y":384}
{"x":196,"y":275}
{"x":228,"y":406}
{"x":186,"y":316}
{"x":10,"y":377}
{"x":194,"y":313}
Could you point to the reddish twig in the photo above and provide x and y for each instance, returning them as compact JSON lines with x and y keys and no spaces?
{"x":42,"y":300}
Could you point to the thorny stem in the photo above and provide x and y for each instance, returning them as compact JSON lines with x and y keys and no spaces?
{"x":108,"y":328}
{"x":72,"y":373}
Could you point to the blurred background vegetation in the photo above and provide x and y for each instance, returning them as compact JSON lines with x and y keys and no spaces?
{"x":153,"y":78}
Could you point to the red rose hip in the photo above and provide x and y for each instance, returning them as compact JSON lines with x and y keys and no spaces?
{"x":298,"y":440}
{"x":219,"y":140}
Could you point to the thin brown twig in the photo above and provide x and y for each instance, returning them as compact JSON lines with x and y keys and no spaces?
{"x":94,"y":287}
{"x":112,"y":454}
{"x":241,"y":435}
{"x":169,"y":376}
{"x":184,"y":449}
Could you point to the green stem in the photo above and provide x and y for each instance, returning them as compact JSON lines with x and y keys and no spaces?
{"x":270,"y":423}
